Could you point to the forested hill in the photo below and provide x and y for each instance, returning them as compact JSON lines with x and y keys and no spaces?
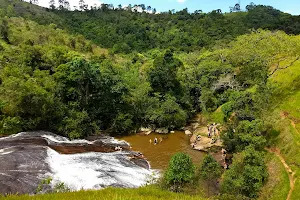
{"x":125,"y":31}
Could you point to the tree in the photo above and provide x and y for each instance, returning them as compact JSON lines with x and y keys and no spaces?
{"x":61,"y":4}
{"x":143,"y":7}
{"x":163,"y":76}
{"x":4,"y":29}
{"x":246,"y":175}
{"x":166,"y":112}
{"x":66,"y":5}
{"x":81,"y":4}
{"x":35,"y":2}
{"x":210,"y":171}
{"x":119,"y":7}
{"x":149,"y":9}
{"x":250,"y":6}
{"x":52,"y":4}
{"x":179,"y":172}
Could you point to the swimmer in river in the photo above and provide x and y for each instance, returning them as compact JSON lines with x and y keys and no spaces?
{"x":150,"y":141}
{"x":160,"y":139}
{"x":155,"y":141}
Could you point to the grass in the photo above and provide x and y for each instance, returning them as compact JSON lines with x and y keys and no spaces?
{"x":216,"y":116}
{"x":148,"y":192}
{"x":278,"y":185}
{"x":287,"y":100}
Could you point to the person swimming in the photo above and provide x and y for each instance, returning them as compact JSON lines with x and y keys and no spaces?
{"x":160,"y":139}
{"x":150,"y":141}
{"x":155,"y":141}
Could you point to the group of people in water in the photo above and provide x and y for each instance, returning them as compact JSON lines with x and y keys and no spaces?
{"x":156,"y":141}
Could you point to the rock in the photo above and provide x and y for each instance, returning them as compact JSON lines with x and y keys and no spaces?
{"x":205,"y":143}
{"x":172,"y":132}
{"x":143,"y":129}
{"x":188,"y":132}
{"x":148,"y":132}
{"x":195,"y":125}
{"x":162,"y":130}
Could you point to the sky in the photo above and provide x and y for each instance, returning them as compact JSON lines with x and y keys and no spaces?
{"x":289,"y":6}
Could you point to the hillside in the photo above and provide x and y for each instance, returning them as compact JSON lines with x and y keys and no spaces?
{"x":81,"y":73}
{"x":125,"y":31}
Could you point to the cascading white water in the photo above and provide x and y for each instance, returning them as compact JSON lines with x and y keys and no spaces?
{"x":96,"y":170}
{"x":29,"y":157}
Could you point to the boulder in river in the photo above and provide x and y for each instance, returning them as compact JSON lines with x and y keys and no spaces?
{"x":188,"y":132}
{"x":162,"y":130}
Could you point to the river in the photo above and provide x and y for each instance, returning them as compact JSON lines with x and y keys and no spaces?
{"x":160,"y":154}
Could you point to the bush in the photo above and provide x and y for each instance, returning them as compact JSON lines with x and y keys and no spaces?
{"x":210,"y":171}
{"x":180,"y":171}
{"x":246,"y":175}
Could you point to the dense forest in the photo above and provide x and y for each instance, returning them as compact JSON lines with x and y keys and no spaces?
{"x":82,"y":72}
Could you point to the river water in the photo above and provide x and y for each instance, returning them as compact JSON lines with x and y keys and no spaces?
{"x":160,"y":154}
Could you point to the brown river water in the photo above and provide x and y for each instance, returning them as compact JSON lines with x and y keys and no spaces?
{"x":160,"y":154}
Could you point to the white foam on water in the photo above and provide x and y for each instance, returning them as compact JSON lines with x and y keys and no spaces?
{"x":96,"y":170}
{"x":60,"y":139}
{"x":12,"y":136}
{"x":111,"y":140}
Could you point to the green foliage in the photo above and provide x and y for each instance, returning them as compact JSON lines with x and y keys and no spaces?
{"x":246,"y":175}
{"x":246,"y":133}
{"x":4,"y":30}
{"x":165,"y":112}
{"x":210,"y":171}
{"x":10,"y":125}
{"x":163,"y":75}
{"x":179,"y":172}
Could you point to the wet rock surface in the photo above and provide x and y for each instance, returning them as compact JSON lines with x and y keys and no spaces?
{"x":29,"y":157}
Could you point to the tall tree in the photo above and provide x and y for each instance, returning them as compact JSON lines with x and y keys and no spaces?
{"x":81,"y":4}
{"x":163,"y":76}
{"x":61,"y":4}
{"x":4,"y":29}
{"x":66,"y":5}
{"x":52,"y":4}
{"x":210,"y":171}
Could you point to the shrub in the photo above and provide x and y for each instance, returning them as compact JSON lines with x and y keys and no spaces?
{"x":180,"y":171}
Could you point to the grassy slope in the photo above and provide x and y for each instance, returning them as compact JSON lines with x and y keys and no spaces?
{"x":277,"y":187}
{"x":286,"y":119}
{"x":149,"y":193}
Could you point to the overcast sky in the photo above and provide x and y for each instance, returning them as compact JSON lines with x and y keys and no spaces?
{"x":290,"y":6}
